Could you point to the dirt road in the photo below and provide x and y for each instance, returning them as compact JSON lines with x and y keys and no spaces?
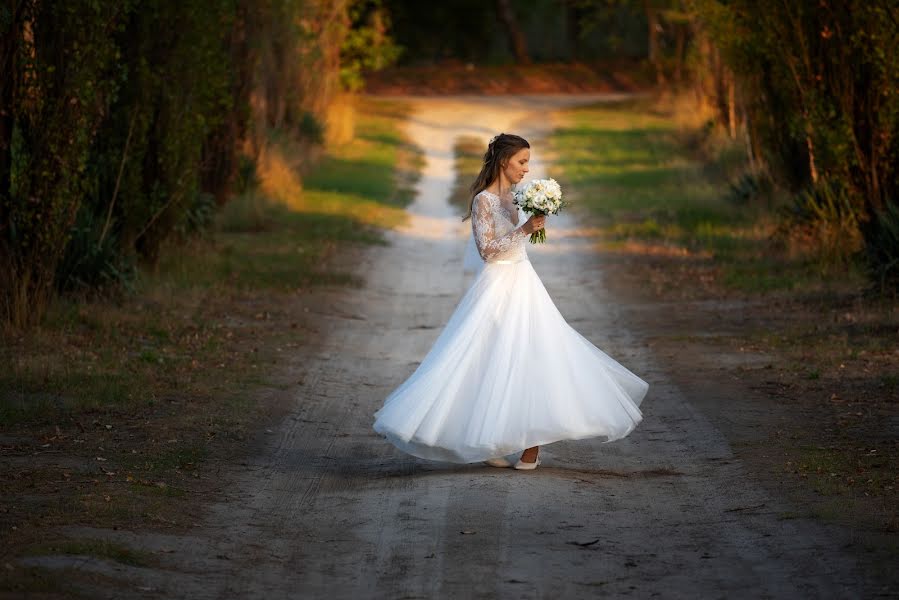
{"x":329,"y":509}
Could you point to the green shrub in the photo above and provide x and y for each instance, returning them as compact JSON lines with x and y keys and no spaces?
{"x":823,"y":222}
{"x":749,"y":189}
{"x":199,"y":216}
{"x":92,"y":260}
{"x":247,"y":178}
{"x":311,"y":128}
{"x":882,"y":251}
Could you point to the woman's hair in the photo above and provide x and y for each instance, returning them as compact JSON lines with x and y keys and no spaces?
{"x":500,"y":149}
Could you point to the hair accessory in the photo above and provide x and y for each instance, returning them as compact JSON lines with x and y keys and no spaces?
{"x":490,"y":151}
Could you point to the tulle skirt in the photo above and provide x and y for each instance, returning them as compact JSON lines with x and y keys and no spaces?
{"x":507,"y":373}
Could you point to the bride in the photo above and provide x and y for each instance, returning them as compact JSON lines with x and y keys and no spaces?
{"x":507,"y":373}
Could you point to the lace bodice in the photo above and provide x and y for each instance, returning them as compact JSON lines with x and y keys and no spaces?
{"x":496,"y":236}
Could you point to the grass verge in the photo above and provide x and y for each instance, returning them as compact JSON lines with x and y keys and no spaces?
{"x":94,"y":548}
{"x":640,"y":170}
{"x":111,"y":410}
{"x":468,"y":155}
{"x":674,"y":233}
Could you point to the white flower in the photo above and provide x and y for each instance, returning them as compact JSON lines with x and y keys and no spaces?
{"x":540,"y":195}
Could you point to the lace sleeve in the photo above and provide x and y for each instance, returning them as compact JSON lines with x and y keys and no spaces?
{"x":484,"y":230}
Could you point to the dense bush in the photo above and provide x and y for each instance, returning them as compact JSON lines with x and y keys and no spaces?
{"x":56,"y":60}
{"x":91,"y":263}
{"x":174,"y":93}
{"x":816,"y":85}
{"x":883,"y":254}
{"x":822,"y":222}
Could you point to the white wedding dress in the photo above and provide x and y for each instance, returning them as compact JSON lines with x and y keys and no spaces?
{"x":507,"y":372}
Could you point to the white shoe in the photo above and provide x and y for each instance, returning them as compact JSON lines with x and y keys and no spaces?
{"x":527,"y":466}
{"x":498,"y":462}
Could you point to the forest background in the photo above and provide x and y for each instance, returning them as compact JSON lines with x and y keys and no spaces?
{"x":127,"y":125}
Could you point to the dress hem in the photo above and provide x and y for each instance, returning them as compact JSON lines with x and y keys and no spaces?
{"x":441,"y":454}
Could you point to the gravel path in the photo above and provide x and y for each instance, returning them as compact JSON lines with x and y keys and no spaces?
{"x":329,"y":509}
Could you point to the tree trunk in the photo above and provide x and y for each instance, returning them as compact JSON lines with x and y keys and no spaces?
{"x":810,"y":146}
{"x":681,"y":45}
{"x":700,"y":81}
{"x":721,"y":72}
{"x":222,"y":148}
{"x":655,"y":58}
{"x":573,"y":16}
{"x":731,"y":104}
{"x":516,"y":35}
{"x":8,"y":276}
{"x":274,"y":86}
{"x":747,"y":133}
{"x":8,"y":48}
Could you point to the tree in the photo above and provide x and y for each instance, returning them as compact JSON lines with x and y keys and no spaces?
{"x":55,"y":94}
{"x":819,"y":80}
{"x":517,"y":40}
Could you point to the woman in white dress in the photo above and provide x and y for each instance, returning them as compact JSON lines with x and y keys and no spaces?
{"x":507,"y":374}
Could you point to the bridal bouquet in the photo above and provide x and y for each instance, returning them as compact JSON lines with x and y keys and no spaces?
{"x":540,"y":197}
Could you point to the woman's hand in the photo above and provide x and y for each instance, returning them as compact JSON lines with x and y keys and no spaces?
{"x":535,"y":223}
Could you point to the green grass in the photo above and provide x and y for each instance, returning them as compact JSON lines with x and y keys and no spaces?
{"x":366,"y":167}
{"x":127,"y":353}
{"x":173,"y":456}
{"x":468,"y":155}
{"x":285,"y":252}
{"x":835,"y":471}
{"x":95,"y":548}
{"x":44,"y":390}
{"x":632,"y":166}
